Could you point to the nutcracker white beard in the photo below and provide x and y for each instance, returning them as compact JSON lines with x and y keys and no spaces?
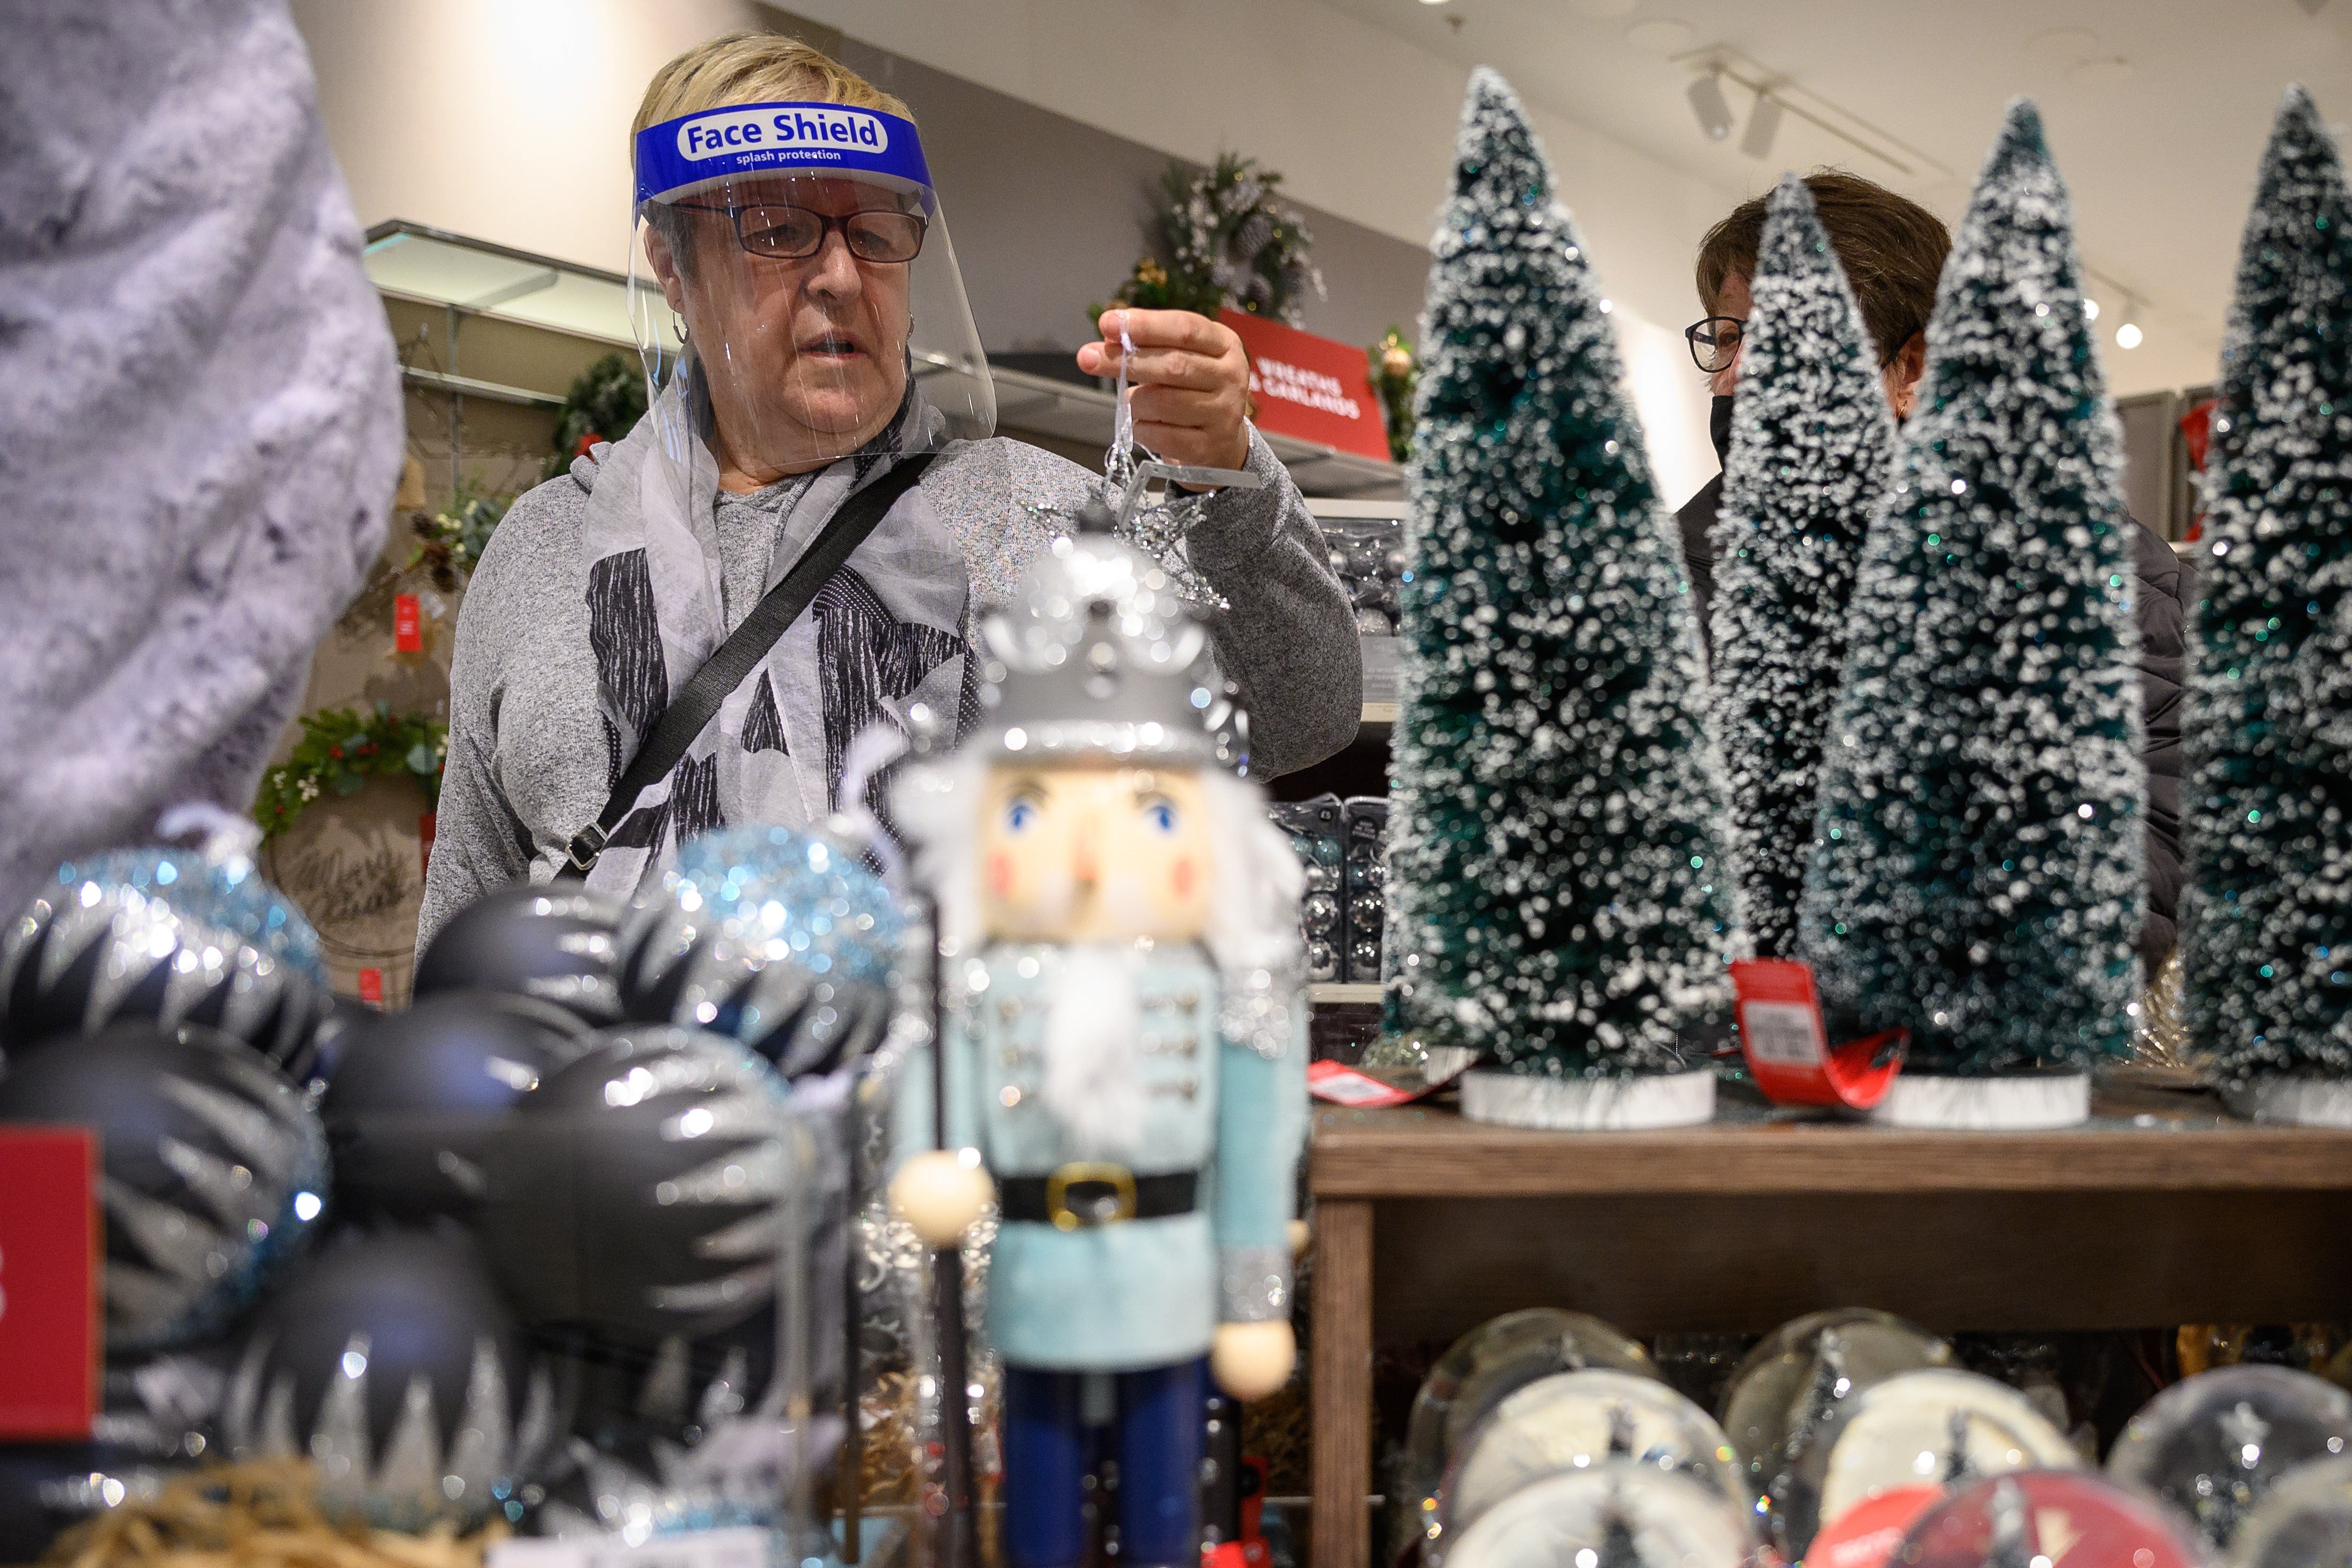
{"x":1092,"y":1083}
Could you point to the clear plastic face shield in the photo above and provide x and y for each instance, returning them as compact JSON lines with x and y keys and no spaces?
{"x":795,"y":293}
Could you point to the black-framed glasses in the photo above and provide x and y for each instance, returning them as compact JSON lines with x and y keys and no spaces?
{"x":795,"y":234}
{"x":1714,"y":342}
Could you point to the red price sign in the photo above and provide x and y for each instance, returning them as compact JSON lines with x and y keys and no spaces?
{"x":50,"y":1295}
{"x":407,"y":625}
{"x":1311,"y":387}
{"x":372,"y":988}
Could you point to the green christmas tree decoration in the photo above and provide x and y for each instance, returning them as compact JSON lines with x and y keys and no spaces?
{"x":2267,"y":919}
{"x":604,"y":403}
{"x":1976,"y":874}
{"x":1811,"y":445}
{"x":1557,"y":819}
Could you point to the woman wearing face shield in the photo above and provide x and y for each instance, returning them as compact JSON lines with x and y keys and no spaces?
{"x":814,"y":366}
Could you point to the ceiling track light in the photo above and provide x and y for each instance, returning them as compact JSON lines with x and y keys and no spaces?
{"x":1763,"y":124}
{"x":1713,"y":108}
{"x":2127,"y":334}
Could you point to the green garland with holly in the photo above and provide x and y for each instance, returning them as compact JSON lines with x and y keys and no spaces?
{"x":605,"y":404}
{"x":341,"y":750}
{"x":450,"y":542}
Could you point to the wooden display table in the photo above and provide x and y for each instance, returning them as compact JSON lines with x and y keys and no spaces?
{"x":2159,"y":1212}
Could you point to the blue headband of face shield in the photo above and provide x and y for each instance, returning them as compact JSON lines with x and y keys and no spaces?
{"x":679,"y":157}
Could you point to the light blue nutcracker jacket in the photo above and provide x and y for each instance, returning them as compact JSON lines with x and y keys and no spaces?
{"x":1221,"y":1098}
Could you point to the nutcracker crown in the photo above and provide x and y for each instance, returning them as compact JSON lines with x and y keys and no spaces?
{"x":1097,"y":656}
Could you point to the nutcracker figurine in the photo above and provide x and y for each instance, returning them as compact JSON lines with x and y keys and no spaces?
{"x":1125,"y":1051}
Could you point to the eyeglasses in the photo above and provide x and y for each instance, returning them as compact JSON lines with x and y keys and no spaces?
{"x":795,"y":234}
{"x":1714,"y":342}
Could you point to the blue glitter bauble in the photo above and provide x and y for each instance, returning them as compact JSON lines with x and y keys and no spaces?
{"x":168,"y":935}
{"x":781,"y":939}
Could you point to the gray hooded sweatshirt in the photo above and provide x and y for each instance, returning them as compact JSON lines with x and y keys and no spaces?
{"x":530,"y":763}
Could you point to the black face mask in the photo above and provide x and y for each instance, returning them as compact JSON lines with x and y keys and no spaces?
{"x":1719,"y":427}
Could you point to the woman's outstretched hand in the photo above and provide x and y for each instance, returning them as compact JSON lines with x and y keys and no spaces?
{"x":1190,"y":382}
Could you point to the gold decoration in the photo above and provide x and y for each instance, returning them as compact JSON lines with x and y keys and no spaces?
{"x":257,"y":1515}
{"x":2324,"y":1350}
{"x":2161,"y":1038}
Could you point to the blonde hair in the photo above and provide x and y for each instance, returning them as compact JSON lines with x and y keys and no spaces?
{"x":754,"y":67}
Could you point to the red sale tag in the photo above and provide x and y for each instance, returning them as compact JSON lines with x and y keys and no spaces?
{"x":1343,"y":1085}
{"x":1311,"y":387}
{"x":407,"y":625}
{"x":372,"y":988}
{"x":1787,"y":1046}
{"x":50,"y":1300}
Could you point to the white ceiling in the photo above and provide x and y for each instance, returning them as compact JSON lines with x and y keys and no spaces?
{"x":2160,"y":161}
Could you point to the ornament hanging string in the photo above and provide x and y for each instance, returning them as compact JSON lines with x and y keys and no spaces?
{"x":1122,"y":440}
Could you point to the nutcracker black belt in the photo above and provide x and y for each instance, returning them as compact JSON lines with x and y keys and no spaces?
{"x":1088,"y":1193}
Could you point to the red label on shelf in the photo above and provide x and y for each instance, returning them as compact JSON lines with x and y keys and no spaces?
{"x":1311,"y":387}
{"x":372,"y":988}
{"x":50,"y":1296}
{"x":1787,"y":1045}
{"x":407,"y":625}
{"x":424,"y":842}
{"x":1343,"y":1085}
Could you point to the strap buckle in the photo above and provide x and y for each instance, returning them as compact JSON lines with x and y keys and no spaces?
{"x":1105,"y":1195}
{"x":585,"y":847}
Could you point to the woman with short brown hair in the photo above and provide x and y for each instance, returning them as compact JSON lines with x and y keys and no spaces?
{"x":816,"y":378}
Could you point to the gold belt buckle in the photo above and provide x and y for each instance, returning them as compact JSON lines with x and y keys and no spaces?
{"x":1089,"y":1173}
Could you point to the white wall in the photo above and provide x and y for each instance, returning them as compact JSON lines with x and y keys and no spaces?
{"x":1361,"y":123}
{"x":505,"y":120}
{"x":508,"y":120}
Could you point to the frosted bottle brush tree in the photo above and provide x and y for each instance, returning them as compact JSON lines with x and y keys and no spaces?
{"x":2267,"y":933}
{"x":1557,"y":814}
{"x":1977,"y":872}
{"x":1810,"y":445}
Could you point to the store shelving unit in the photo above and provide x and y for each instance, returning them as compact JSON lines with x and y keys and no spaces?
{"x":1074,"y":412}
{"x":474,"y":277}
{"x":2162,"y":1211}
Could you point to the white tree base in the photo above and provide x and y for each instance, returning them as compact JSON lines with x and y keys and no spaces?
{"x":1589,"y":1104}
{"x":1446,"y":1063}
{"x":1985,"y":1104}
{"x":2303,"y":1101}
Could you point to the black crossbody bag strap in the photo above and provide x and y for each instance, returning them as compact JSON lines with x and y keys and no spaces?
{"x":736,"y":657}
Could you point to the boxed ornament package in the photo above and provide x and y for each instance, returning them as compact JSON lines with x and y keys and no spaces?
{"x":1368,"y":556}
{"x":1318,"y":829}
{"x":1366,"y":544}
{"x":1364,"y":879}
{"x":1343,"y":846}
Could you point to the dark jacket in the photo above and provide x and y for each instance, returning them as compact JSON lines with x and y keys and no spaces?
{"x":2161,"y":601}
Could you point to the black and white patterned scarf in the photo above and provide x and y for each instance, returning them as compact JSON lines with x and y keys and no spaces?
{"x":884,"y":633}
